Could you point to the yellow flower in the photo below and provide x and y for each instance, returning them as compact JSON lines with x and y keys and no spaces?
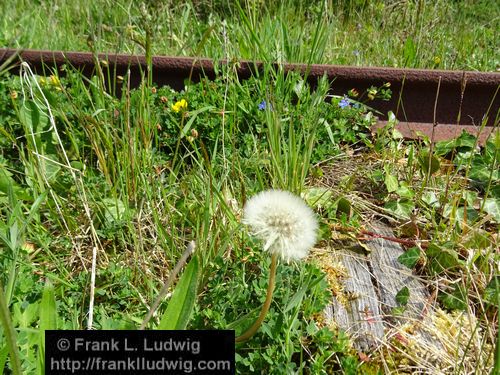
{"x":181,"y":105}
{"x":372,"y":92}
{"x":54,"y":81}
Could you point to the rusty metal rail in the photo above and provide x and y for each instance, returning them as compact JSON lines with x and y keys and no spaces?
{"x":463,"y":101}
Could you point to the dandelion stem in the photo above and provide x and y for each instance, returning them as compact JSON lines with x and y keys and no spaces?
{"x":265,"y":307}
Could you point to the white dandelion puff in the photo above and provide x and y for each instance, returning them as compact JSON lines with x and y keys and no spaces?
{"x":283,"y":221}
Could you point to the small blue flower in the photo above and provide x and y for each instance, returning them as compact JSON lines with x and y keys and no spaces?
{"x":344,"y":102}
{"x":356,"y":53}
{"x":262,"y":105}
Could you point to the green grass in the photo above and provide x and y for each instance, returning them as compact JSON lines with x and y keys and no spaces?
{"x":421,"y":34}
{"x":132,"y":180}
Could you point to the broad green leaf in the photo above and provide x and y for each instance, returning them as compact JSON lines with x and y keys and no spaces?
{"x":491,"y":148}
{"x":465,"y":140}
{"x":404,"y":191}
{"x":398,"y":311}
{"x":377,"y":175}
{"x":50,"y":167}
{"x":478,"y":239}
{"x":482,"y":173}
{"x":29,"y":115}
{"x":430,"y":198}
{"x":115,"y":210}
{"x":6,"y":181}
{"x":25,"y":316}
{"x":391,"y":182}
{"x":456,"y":300}
{"x":442,"y":259}
{"x":470,"y":197}
{"x":460,"y":214}
{"x":409,"y":52}
{"x":402,"y":296}
{"x":410,"y":257}
{"x":402,"y":207}
{"x":461,"y":159}
{"x":181,"y":305}
{"x":469,"y":214}
{"x":317,"y":196}
{"x":344,"y":207}
{"x":492,"y":207}
{"x":428,"y":163}
{"x":443,"y":148}
{"x":492,"y":291}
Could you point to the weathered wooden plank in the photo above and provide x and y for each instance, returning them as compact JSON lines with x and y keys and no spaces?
{"x":372,"y":283}
{"x":359,"y":312}
{"x":391,"y":276}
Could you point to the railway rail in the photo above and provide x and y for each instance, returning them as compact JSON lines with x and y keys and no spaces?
{"x":437,"y":103}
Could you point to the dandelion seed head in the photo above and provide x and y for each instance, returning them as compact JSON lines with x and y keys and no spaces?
{"x":283,"y":221}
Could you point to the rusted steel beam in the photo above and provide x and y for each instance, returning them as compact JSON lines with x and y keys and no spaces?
{"x":441,"y":132}
{"x":423,"y":97}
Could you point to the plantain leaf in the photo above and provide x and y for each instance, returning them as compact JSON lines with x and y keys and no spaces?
{"x":48,"y":313}
{"x":181,"y":305}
